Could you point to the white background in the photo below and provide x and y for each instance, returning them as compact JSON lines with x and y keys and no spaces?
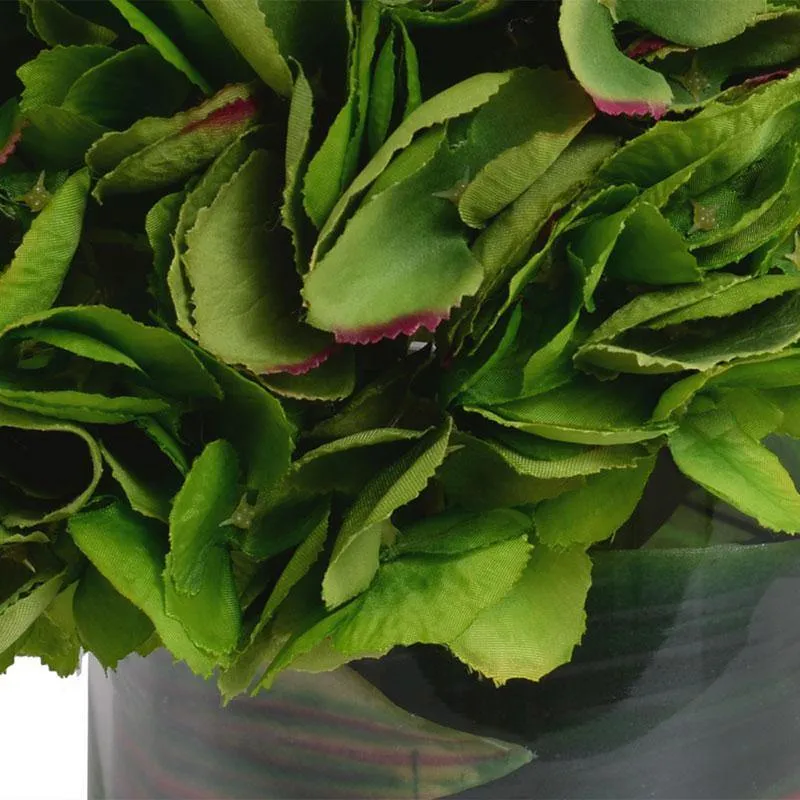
{"x":43,"y":730}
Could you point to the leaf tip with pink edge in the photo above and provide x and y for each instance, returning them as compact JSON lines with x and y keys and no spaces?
{"x":401,"y":326}
{"x":630,"y":108}
{"x":303,"y":367}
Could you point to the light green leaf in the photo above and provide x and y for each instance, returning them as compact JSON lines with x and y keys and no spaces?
{"x":453,"y":532}
{"x":595,"y":511}
{"x":21,"y":610}
{"x":712,"y":449}
{"x":49,"y":76}
{"x":32,"y":281}
{"x":449,"y":104}
{"x":129,"y":551}
{"x":199,"y":514}
{"x":298,"y":137}
{"x":354,"y":560}
{"x":650,"y":251}
{"x":535,"y":628}
{"x":121,"y":89}
{"x":109,"y":626}
{"x":585,"y":411}
{"x":430,"y":599}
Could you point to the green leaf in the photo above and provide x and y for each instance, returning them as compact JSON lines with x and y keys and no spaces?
{"x":351,"y":293}
{"x":148,"y":477}
{"x":476,"y":476}
{"x":168,"y":361}
{"x":200,"y":196}
{"x":60,"y":469}
{"x":245,"y":26}
{"x":49,"y":76}
{"x":617,"y":84}
{"x":32,"y":281}
{"x":53,"y":638}
{"x":453,"y":532}
{"x":688,"y":23}
{"x":585,"y":411}
{"x":57,"y":138}
{"x":382,"y":94}
{"x":254,"y":422}
{"x":55,"y":24}
{"x":527,"y":634}
{"x":335,"y":163}
{"x":157,"y":152}
{"x":650,"y":251}
{"x":461,"y":12}
{"x":109,"y":626}
{"x":157,"y":39}
{"x":430,"y":599}
{"x":199,"y":515}
{"x":236,"y":262}
{"x":120,"y":90}
{"x":449,"y":104}
{"x":712,"y":449}
{"x":128,"y":551}
{"x":749,"y":318}
{"x":548,"y":460}
{"x":595,"y":511}
{"x":354,"y":560}
{"x":21,"y":610}
{"x":334,"y":379}
{"x":159,"y":225}
{"x":298,"y":138}
{"x":561,"y":112}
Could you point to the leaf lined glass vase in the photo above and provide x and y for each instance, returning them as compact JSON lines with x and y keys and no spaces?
{"x":686,"y":684}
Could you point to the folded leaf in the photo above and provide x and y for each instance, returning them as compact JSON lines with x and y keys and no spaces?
{"x":156,"y":152}
{"x":21,"y":610}
{"x":617,"y":84}
{"x":55,"y":24}
{"x":354,"y":560}
{"x":712,"y":449}
{"x":48,"y":469}
{"x":535,"y":628}
{"x":236,"y":262}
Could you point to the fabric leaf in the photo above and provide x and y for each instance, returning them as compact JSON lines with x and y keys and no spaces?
{"x":617,"y":84}
{"x":247,"y":314}
{"x":712,"y":449}
{"x":32,"y":281}
{"x":129,"y":551}
{"x":535,"y":628}
{"x":354,"y":560}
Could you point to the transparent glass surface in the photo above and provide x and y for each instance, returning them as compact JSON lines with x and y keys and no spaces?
{"x":686,"y":685}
